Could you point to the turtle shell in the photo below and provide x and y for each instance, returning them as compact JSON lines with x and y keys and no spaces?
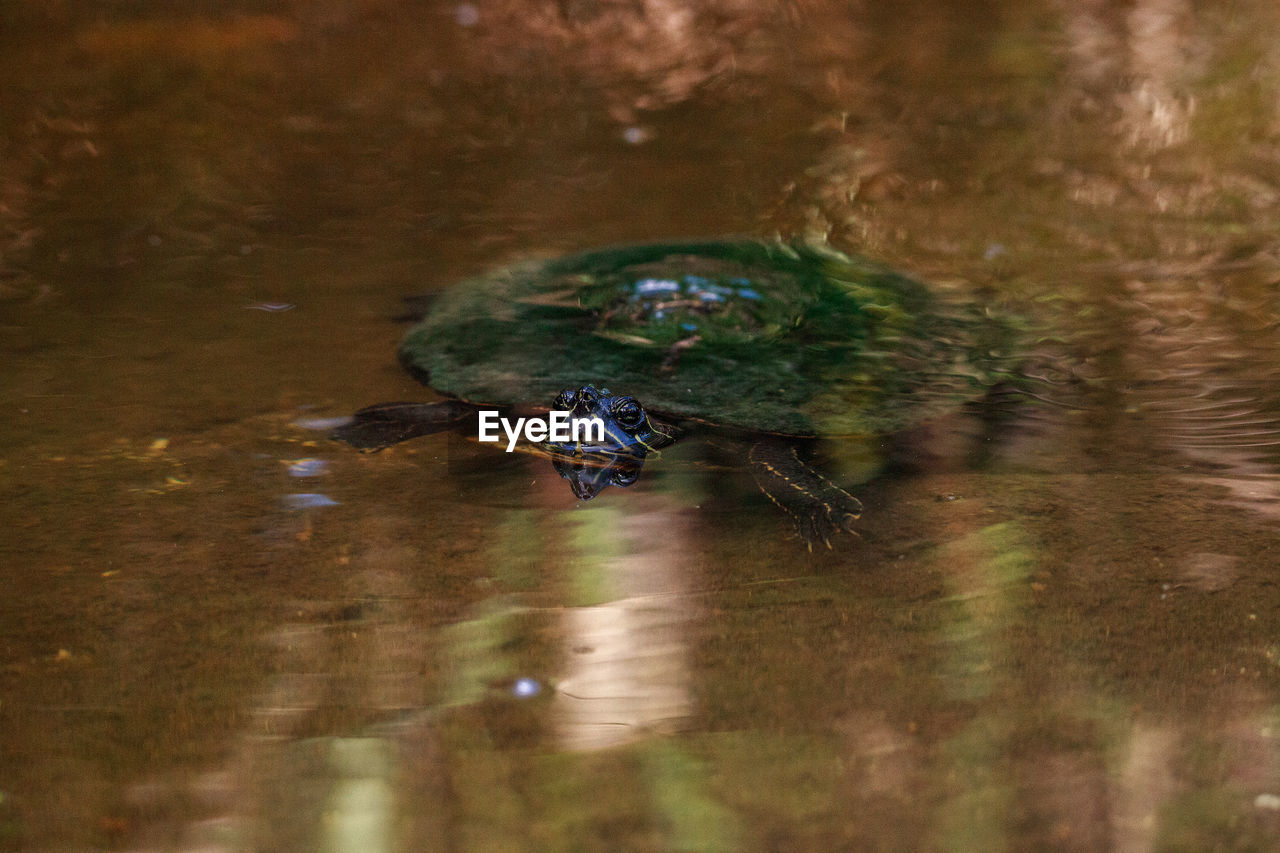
{"x":761,"y":336}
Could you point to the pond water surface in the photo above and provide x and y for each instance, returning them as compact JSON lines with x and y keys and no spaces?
{"x":1058,"y":625}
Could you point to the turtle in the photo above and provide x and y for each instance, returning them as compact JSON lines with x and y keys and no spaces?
{"x":774,"y":343}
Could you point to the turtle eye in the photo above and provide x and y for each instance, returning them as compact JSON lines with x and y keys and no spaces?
{"x":628,"y":412}
{"x":564,"y":402}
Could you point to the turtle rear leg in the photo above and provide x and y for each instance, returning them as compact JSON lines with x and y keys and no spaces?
{"x":382,"y":425}
{"x":818,"y":507}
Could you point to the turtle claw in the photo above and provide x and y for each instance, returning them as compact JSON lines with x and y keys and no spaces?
{"x":818,"y":507}
{"x":816,"y":527}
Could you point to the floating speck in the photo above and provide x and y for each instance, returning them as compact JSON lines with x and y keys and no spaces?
{"x":307,"y":467}
{"x":154,"y":240}
{"x":993,"y":251}
{"x":307,"y":500}
{"x":271,"y":307}
{"x":525,"y":688}
{"x":466,"y":15}
{"x":1270,"y":802}
{"x":322,"y":424}
{"x":636,"y":135}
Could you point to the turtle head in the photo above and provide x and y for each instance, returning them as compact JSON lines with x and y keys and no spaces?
{"x":628,"y":428}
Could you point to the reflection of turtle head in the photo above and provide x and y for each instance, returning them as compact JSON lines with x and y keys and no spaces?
{"x":591,"y":473}
{"x":628,"y":429}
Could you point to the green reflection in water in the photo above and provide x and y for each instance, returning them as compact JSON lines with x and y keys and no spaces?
{"x":517,"y":548}
{"x":520,"y":799}
{"x":593,"y":547}
{"x":978,"y":816}
{"x":714,"y":792}
{"x":694,"y":820}
{"x":10,"y":825}
{"x":792,"y":778}
{"x":361,"y":809}
{"x":987,"y":571}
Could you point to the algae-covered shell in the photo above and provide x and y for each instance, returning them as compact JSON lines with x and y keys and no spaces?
{"x":762,"y":336}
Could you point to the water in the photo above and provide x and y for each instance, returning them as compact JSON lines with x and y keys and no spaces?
{"x":1057,"y":628}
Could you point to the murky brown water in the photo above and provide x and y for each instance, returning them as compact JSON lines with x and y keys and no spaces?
{"x":1059,"y":628}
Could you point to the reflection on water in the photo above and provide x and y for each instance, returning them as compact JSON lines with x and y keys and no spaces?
{"x":222,"y":632}
{"x":626,"y":672}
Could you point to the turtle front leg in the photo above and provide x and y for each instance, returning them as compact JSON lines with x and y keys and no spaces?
{"x":817,"y":506}
{"x":382,"y":425}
